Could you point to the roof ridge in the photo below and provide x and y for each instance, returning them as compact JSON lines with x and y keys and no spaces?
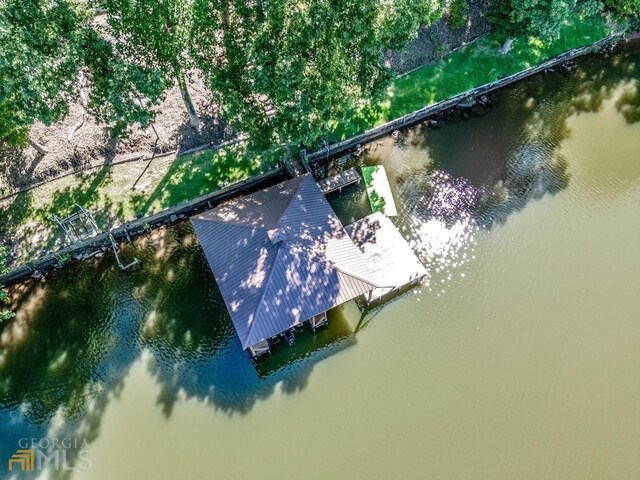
{"x":352,"y":275}
{"x":332,"y":265}
{"x":262,"y":295}
{"x":293,"y":200}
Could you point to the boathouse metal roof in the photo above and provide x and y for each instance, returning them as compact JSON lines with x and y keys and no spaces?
{"x":280,"y":256}
{"x":393,"y":263}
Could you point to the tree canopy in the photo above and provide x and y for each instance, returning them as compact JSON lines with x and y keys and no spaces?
{"x":45,"y":46}
{"x":539,"y":18}
{"x":40,"y":50}
{"x":282,"y":70}
{"x":156,"y":34}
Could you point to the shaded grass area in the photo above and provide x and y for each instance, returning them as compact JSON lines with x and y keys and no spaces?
{"x":116,"y":194}
{"x":469,"y":67}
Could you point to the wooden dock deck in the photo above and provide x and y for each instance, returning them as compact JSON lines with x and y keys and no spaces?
{"x":339,"y":181}
{"x":389,"y":256}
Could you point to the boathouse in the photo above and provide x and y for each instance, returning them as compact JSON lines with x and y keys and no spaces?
{"x":281,"y":257}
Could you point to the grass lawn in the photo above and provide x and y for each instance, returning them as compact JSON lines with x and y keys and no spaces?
{"x":124,"y":192}
{"x":121,"y":193}
{"x":469,"y":67}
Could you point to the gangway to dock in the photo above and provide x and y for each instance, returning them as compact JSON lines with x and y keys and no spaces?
{"x":339,"y":181}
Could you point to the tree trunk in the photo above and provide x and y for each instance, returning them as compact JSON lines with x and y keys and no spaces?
{"x":41,"y":149}
{"x":188,"y":103}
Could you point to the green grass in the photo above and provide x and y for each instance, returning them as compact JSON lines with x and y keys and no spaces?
{"x":109,"y":193}
{"x":469,"y":67}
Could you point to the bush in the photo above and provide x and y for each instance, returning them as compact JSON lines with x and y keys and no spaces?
{"x":458,"y":14}
{"x":542,"y":19}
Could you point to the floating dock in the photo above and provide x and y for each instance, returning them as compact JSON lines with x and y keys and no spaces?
{"x":339,"y":181}
{"x":392,"y":262}
{"x":379,"y":190}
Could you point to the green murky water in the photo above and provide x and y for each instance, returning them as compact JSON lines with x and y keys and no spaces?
{"x":518,"y":357}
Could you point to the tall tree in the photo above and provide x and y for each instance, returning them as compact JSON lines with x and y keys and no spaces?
{"x":156,"y":33}
{"x":45,"y":46}
{"x":283,"y":69}
{"x":39,"y":55}
{"x":122,"y":93}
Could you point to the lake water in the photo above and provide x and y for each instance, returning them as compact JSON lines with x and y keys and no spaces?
{"x":517,"y":358}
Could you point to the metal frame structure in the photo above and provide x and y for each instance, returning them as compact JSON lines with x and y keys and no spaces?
{"x":115,"y":247}
{"x":78,"y":226}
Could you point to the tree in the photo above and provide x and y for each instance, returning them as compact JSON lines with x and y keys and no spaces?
{"x":458,"y":14}
{"x":624,"y":7}
{"x":4,"y":314}
{"x":45,"y":46}
{"x":39,"y":55}
{"x":539,"y":18}
{"x":156,"y":33}
{"x":283,"y":70}
{"x":122,"y":93}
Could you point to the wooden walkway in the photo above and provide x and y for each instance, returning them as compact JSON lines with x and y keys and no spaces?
{"x":337,"y":182}
{"x":389,"y":256}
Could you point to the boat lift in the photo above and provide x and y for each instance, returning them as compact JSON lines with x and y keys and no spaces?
{"x":80,"y":226}
{"x":123,"y":267}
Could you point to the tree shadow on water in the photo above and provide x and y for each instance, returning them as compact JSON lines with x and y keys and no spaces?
{"x":513,"y":156}
{"x":61,"y":361}
{"x":232,"y":383}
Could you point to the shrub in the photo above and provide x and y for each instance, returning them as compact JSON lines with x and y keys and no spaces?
{"x":458,"y":14}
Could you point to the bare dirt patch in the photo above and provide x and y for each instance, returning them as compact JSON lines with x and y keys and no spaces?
{"x":435,"y":41}
{"x":90,"y":145}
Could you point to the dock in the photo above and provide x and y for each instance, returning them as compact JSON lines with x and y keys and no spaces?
{"x":379,"y":190}
{"x":339,"y":181}
{"x":392,"y":262}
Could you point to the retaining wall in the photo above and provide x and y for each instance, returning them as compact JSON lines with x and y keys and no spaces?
{"x":139,"y":226}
